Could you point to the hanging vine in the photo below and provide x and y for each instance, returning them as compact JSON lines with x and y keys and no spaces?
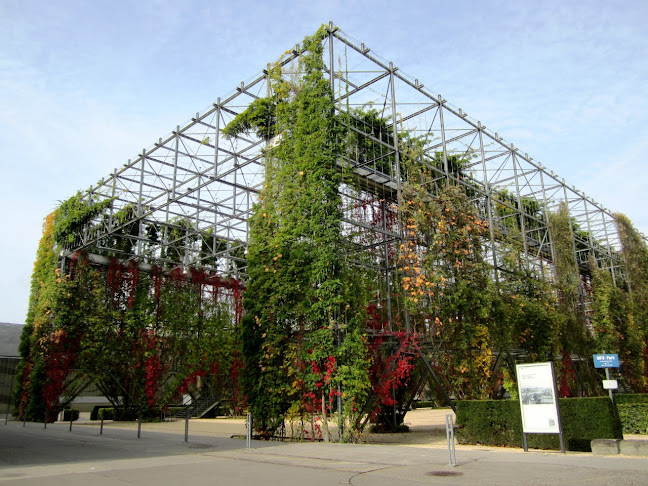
{"x":301,"y":319}
{"x":444,"y":276}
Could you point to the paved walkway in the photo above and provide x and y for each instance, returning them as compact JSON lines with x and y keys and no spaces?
{"x":55,"y":456}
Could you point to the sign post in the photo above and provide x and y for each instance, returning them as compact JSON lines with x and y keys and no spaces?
{"x":607,"y":361}
{"x":539,"y":401}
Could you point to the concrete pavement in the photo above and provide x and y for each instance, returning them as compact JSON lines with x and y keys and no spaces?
{"x":55,"y":456}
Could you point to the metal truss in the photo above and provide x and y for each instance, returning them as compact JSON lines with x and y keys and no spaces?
{"x":186,"y":200}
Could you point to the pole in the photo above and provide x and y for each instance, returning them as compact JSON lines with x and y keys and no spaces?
{"x":101,"y":428}
{"x":248,"y":436}
{"x":139,"y":426}
{"x":525,"y":443}
{"x":607,"y":377}
{"x":187,"y":427}
{"x":9,"y":399}
{"x":452,"y":457}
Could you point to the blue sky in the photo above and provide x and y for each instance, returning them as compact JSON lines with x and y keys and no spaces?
{"x":84,"y":86}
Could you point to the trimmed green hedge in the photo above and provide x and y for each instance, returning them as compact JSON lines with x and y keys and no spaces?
{"x":489,"y":422}
{"x":94,"y":413}
{"x":499,"y":423}
{"x":424,"y":404}
{"x":70,"y":414}
{"x":633,"y":412}
{"x":624,"y":398}
{"x":634,"y":417}
{"x":106,"y":413}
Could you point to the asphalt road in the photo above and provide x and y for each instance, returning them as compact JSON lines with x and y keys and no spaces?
{"x":55,"y":456}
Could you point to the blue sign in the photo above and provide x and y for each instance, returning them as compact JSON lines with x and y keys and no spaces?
{"x":606,"y":361}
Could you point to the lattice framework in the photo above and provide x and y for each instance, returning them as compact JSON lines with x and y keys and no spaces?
{"x":196,"y":188}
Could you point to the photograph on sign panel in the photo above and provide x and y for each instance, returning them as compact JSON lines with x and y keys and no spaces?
{"x":538,"y":396}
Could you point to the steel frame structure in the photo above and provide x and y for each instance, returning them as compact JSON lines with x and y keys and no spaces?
{"x":198,"y":188}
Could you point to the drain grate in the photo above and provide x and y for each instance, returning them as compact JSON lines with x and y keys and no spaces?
{"x":444,"y":473}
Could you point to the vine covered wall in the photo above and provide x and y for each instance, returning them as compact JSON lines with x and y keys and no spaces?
{"x":331,"y":320}
{"x":143,"y":337}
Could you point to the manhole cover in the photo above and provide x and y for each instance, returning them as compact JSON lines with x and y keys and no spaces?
{"x":444,"y":473}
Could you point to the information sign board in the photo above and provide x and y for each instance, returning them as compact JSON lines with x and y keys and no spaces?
{"x":606,"y":360}
{"x":538,"y":398}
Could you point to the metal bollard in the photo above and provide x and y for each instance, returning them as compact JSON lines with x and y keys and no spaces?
{"x":248,"y":437}
{"x":187,"y":427}
{"x":101,"y":428}
{"x":9,"y":401}
{"x":139,"y":426}
{"x":452,"y":458}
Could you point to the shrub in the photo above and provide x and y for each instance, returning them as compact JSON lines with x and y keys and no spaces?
{"x":634,"y":417}
{"x":489,"y":422}
{"x":106,"y":413}
{"x":424,"y":404}
{"x":70,"y":414}
{"x":633,"y":412}
{"x":585,"y":419}
{"x":94,"y":413}
{"x":499,"y":423}
{"x":624,"y":398}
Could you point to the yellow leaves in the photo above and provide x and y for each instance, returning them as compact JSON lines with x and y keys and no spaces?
{"x":301,"y":172}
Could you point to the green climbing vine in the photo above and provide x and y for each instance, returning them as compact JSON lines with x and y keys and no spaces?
{"x":298,"y":302}
{"x":635,"y":257}
{"x":445,"y":278}
{"x":144,"y":338}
